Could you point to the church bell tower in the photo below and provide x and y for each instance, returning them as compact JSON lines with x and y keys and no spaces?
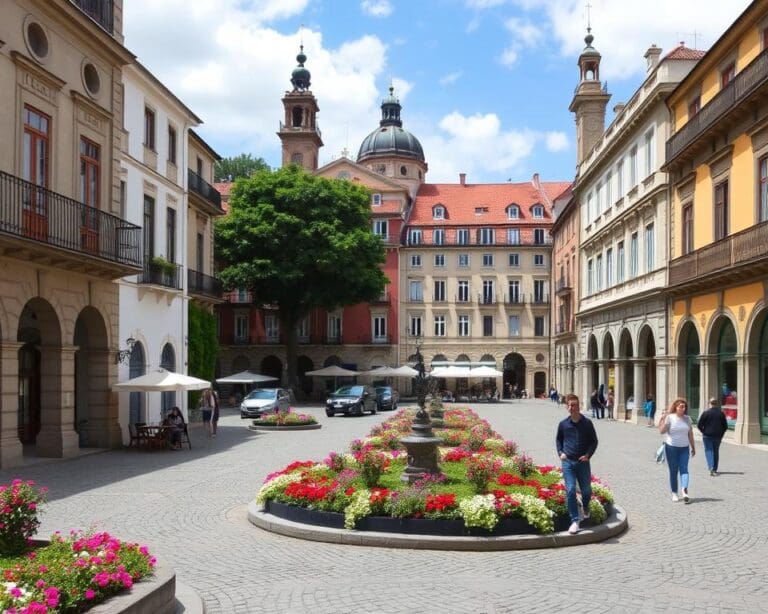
{"x":299,"y":133}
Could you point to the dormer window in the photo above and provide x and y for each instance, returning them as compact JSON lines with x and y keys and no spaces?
{"x":513,"y":212}
{"x":481,"y":210}
{"x":438,"y":212}
{"x":376,"y":199}
{"x":538,"y":211}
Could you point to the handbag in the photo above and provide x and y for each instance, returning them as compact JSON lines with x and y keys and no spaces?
{"x":660,"y":455}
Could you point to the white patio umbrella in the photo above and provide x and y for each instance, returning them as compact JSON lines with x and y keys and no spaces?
{"x":450,"y":371}
{"x":485,"y":372}
{"x":161,"y":380}
{"x":246,"y":377}
{"x":332,"y":371}
{"x":404,"y":371}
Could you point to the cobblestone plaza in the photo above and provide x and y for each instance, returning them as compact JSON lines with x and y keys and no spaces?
{"x":190,"y":508}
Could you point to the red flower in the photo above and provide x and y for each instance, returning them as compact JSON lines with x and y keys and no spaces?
{"x":509,"y":479}
{"x":441,"y":502}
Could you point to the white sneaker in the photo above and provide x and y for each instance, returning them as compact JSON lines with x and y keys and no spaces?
{"x":675,"y":498}
{"x":574,"y":528}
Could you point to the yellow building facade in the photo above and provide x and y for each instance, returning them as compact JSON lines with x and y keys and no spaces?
{"x":718,"y":272}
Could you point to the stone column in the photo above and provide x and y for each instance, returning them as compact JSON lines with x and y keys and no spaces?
{"x":748,"y":419}
{"x":708,"y":379}
{"x":103,"y":426}
{"x":639,"y":385}
{"x":57,"y":437}
{"x":585,"y":377}
{"x":663,"y":376}
{"x":10,"y":445}
{"x":620,"y":399}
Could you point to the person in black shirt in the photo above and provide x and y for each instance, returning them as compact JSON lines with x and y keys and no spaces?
{"x":713,"y":424}
{"x":576,"y":443}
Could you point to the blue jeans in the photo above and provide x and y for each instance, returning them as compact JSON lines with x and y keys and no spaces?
{"x":712,"y":451}
{"x":677,"y":461}
{"x":576,"y":471}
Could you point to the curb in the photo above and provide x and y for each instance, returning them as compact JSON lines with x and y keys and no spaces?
{"x":155,"y":594}
{"x":296,"y":427}
{"x":615,"y":525}
{"x":187,"y":600}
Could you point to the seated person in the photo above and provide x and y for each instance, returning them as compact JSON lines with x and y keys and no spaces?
{"x":176,"y":421}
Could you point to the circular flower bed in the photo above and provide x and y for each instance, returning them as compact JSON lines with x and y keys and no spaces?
{"x":288,"y":420}
{"x":484,"y":480}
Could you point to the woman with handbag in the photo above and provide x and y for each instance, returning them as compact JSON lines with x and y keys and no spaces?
{"x":678,"y":445}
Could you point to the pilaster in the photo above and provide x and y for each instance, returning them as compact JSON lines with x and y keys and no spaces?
{"x":10,"y":445}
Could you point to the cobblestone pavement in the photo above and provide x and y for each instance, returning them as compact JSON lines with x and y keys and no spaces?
{"x":189,"y":507}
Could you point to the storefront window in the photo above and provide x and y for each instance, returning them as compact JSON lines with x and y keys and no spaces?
{"x":726,"y":373}
{"x":692,"y":373}
{"x":763,"y":378}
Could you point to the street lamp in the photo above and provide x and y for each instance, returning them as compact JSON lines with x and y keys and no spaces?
{"x":421,"y":444}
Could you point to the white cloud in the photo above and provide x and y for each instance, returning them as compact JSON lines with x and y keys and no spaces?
{"x":231,"y":68}
{"x":524,"y":32}
{"x":450,"y":78}
{"x":402,"y":87}
{"x":376,"y":8}
{"x":508,"y":57}
{"x":484,"y":4}
{"x":556,"y":141}
{"x":624,"y":30}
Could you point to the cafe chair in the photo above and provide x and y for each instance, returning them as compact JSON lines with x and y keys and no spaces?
{"x":135,"y":435}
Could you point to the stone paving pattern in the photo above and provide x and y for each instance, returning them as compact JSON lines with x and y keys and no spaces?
{"x":189,"y":507}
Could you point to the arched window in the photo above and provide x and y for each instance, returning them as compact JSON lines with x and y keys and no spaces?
{"x":297,"y":116}
{"x":438,"y":212}
{"x":297,"y":158}
{"x":538,"y":211}
{"x":513,"y":212}
{"x":167,"y":362}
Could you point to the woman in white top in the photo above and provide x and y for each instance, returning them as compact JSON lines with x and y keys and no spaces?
{"x":678,"y":445}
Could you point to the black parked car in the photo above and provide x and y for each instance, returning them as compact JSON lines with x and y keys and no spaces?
{"x":351,"y":400}
{"x":386,"y":397}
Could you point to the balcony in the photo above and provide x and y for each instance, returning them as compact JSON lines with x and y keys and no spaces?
{"x":381,"y":300}
{"x":744,"y":86}
{"x":739,"y":256}
{"x":312,"y":129}
{"x":486,"y":299}
{"x":371,"y":339}
{"x":514,"y":299}
{"x":200,"y":284}
{"x":416,"y":299}
{"x":539,"y":299}
{"x":47,"y":227}
{"x":563,"y":287}
{"x":411,"y":242}
{"x":205,"y":190}
{"x":238,"y":297}
{"x":155,"y":276}
{"x":332,"y":340}
{"x":564,"y":326}
{"x":101,"y":11}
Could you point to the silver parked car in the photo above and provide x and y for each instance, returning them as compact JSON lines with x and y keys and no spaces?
{"x":265,"y":401}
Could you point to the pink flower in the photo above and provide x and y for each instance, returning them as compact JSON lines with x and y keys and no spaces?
{"x":90,"y":593}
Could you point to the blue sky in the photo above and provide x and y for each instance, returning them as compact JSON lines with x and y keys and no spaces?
{"x":485,"y":84}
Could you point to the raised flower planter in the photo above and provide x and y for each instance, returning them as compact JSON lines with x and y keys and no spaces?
{"x":285,"y":421}
{"x":486,"y":489}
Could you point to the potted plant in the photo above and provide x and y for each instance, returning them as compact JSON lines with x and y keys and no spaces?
{"x":160,"y":266}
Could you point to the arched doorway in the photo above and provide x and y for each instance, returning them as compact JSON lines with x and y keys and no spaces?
{"x":304,"y":364}
{"x":137,"y":366}
{"x":40,"y":368}
{"x":763,"y":376}
{"x":91,"y":380}
{"x":688,"y":351}
{"x":539,"y":384}
{"x":646,"y":348}
{"x":271,"y":365}
{"x":167,"y":362}
{"x":609,"y":366}
{"x":514,"y":374}
{"x":726,"y":375}
{"x":593,"y":367}
{"x":626,"y":352}
{"x":463,"y":358}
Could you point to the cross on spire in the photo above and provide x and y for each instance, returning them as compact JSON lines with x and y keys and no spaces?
{"x":588,"y":6}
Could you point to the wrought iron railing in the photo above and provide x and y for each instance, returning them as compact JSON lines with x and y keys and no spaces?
{"x":101,"y":11}
{"x":161,"y":276}
{"x":200,"y":186}
{"x":539,"y":299}
{"x":742,"y":85}
{"x":238,"y":297}
{"x":205,"y":285}
{"x":35,"y":213}
{"x":740,"y":248}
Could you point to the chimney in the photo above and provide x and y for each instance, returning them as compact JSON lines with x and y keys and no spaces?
{"x":463,"y":178}
{"x":618,"y":108}
{"x":652,"y":57}
{"x":535,"y":181}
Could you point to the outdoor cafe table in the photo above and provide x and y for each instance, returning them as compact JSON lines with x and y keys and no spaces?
{"x":153,"y":435}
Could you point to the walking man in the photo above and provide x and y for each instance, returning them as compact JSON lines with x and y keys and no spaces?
{"x":713,"y":424}
{"x":576,"y":442}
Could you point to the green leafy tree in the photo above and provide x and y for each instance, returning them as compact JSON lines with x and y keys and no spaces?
{"x":203,"y":346}
{"x":235,"y":167}
{"x":300,"y":242}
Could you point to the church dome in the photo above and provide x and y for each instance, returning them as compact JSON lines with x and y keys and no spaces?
{"x":390,"y":138}
{"x":300,"y":77}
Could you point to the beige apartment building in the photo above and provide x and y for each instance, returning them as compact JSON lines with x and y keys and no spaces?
{"x":63,"y":236}
{"x":475,"y":281}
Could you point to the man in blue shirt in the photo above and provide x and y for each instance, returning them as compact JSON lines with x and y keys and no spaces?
{"x":576,"y":443}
